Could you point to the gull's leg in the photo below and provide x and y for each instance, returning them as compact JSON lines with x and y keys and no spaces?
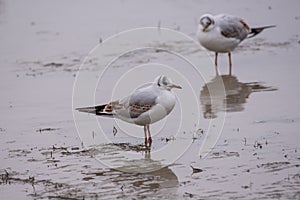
{"x":145,"y":133}
{"x":149,"y":135}
{"x":230,"y":63}
{"x":216,"y":63}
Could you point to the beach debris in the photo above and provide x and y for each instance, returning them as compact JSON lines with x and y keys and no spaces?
{"x":257,"y":145}
{"x":46,"y":129}
{"x":196,"y":170}
{"x":115,"y":130}
{"x":186,"y":194}
{"x":167,"y":139}
{"x":53,"y":64}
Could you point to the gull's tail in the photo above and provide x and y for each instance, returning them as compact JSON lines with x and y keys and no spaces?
{"x":97,"y":110}
{"x":255,"y":31}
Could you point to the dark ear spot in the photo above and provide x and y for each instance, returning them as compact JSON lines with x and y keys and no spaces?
{"x":211,"y":21}
{"x":158,"y":82}
{"x":205,"y":21}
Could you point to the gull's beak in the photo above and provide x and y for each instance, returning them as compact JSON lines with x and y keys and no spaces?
{"x":204,"y":28}
{"x":176,"y":86}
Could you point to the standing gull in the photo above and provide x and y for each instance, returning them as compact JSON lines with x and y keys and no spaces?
{"x":223,"y":33}
{"x":144,"y":106}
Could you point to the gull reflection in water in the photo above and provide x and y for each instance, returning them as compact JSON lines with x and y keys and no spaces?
{"x":138,"y":177}
{"x":162,"y":182}
{"x":213,"y":99}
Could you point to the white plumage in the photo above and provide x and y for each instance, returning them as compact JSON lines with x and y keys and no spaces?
{"x":144,"y":106}
{"x":223,"y":33}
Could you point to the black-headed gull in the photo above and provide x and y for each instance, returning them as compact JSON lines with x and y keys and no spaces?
{"x":146,"y":105}
{"x":223,"y":33}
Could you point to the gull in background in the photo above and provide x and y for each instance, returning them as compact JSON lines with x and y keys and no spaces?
{"x":146,"y":105}
{"x":223,"y":33}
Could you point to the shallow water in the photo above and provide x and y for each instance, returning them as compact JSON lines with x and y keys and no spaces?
{"x":42,"y":157}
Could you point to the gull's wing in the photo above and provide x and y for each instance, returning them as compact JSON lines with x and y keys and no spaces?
{"x":130,"y":107}
{"x":140,"y":101}
{"x":232,"y":26}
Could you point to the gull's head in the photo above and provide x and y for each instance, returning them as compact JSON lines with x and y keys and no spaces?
{"x":207,"y":22}
{"x":165,"y":83}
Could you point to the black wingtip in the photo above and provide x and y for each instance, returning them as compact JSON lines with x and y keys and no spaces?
{"x":87,"y":110}
{"x":98,"y":110}
{"x":255,"y":31}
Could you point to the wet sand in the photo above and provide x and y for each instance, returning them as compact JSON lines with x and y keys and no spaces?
{"x":42,"y":157}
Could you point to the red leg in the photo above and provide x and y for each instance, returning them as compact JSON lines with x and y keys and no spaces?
{"x":216,"y":63}
{"x":149,"y":136}
{"x":230,"y":63}
{"x":145,"y":134}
